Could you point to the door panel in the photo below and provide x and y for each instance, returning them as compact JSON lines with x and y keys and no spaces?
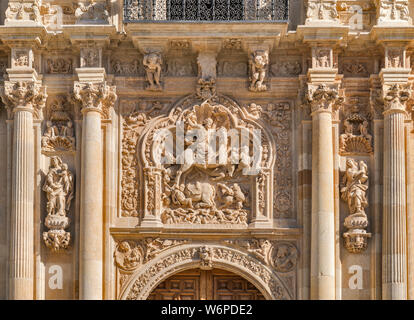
{"x":206,"y":285}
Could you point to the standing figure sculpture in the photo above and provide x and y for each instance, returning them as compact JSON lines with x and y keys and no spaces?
{"x":59,"y":192}
{"x":354,"y":193}
{"x":152,"y":63}
{"x":258,"y":66}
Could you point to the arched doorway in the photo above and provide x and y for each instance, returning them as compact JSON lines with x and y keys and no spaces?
{"x":197,"y":284}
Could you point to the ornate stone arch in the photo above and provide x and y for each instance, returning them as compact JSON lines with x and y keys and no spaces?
{"x":204,"y":256}
{"x":162,"y":183}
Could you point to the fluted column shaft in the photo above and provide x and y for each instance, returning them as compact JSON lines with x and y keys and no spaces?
{"x":394,"y":245}
{"x":21,"y":234}
{"x":91,"y":223}
{"x":323,"y":231}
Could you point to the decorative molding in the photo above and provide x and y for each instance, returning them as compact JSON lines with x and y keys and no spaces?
{"x":22,"y":94}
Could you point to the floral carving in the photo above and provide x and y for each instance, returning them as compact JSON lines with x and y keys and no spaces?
{"x":323,"y":97}
{"x":152,"y":63}
{"x":395,"y":97}
{"x":58,"y":187}
{"x":97,"y":97}
{"x":355,"y":181}
{"x":259,"y":61}
{"x":354,"y":68}
{"x":29,"y":95}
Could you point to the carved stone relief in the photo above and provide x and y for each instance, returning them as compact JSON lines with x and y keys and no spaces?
{"x":207,"y":71}
{"x":138,"y":285}
{"x":286,"y":68}
{"x":322,"y":58}
{"x":199,"y":193}
{"x":18,"y":11}
{"x":317,"y":10}
{"x":355,"y":185}
{"x":59,"y":189}
{"x":59,"y":65}
{"x":389,"y":11}
{"x":232,"y":68}
{"x":232,"y":44}
{"x":278,"y":117}
{"x":92,"y":11}
{"x":356,"y":138}
{"x":354,"y":68}
{"x":153,"y":66}
{"x":135,"y":116}
{"x":259,"y":61}
{"x":90,"y":58}
{"x":128,"y":66}
{"x":181,"y":67}
{"x":22,"y":58}
{"x":4,"y":63}
{"x":59,"y":134}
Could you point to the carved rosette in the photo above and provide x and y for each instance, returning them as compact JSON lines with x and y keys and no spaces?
{"x":323,"y":98}
{"x":355,"y":185}
{"x":59,"y":189}
{"x":21,"y":95}
{"x":98,"y":97}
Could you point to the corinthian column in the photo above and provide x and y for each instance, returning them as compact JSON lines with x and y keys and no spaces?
{"x":23,"y":100}
{"x":394,"y":259}
{"x":95,"y":99}
{"x":322,"y":98}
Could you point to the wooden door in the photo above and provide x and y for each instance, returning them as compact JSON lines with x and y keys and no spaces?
{"x":199,"y":284}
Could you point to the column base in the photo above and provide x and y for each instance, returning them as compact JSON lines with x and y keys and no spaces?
{"x":151,"y":222}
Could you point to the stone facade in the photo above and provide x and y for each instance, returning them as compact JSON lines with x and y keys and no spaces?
{"x":87,"y":210}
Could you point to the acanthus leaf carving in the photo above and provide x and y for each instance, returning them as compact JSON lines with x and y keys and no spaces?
{"x":98,"y":97}
{"x":323,"y":97}
{"x":22,"y":94}
{"x":395,"y":97}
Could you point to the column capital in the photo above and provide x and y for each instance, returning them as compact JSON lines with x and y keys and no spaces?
{"x":24,"y":96}
{"x":98,"y":97}
{"x":395,"y":97}
{"x":323,"y":98}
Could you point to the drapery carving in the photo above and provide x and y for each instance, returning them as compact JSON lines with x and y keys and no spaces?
{"x":59,"y":189}
{"x":355,"y":181}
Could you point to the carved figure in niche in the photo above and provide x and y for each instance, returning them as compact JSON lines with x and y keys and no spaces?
{"x":323,"y":59}
{"x":354,"y":193}
{"x":59,"y":134}
{"x":356,"y":138}
{"x":90,"y":57}
{"x":58,"y":186}
{"x":152,"y":63}
{"x":395,"y":59}
{"x":259,"y":61}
